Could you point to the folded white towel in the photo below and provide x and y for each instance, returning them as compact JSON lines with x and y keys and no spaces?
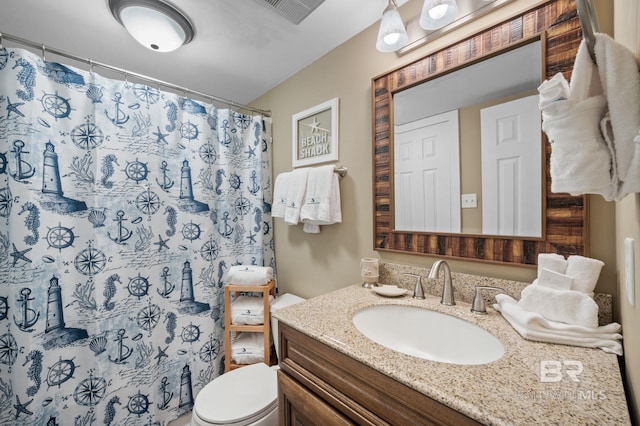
{"x":553,"y":90}
{"x":552,"y":261}
{"x":248,"y":310}
{"x":533,"y":326}
{"x":322,"y":198}
{"x":248,"y":348}
{"x":585,"y":272}
{"x":551,"y":279}
{"x":620,"y":79}
{"x":567,"y":306}
{"x":295,"y":195}
{"x":280,"y":194}
{"x":580,"y":159}
{"x":249,"y":275}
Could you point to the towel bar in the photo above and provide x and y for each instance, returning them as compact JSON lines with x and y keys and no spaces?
{"x":589,"y":24}
{"x":340,"y":170}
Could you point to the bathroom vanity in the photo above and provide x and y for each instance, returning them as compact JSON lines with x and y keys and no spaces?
{"x":332,"y":374}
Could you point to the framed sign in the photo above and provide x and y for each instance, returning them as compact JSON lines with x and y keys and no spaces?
{"x":315,"y":134}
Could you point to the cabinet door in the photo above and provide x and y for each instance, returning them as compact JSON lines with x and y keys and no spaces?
{"x":299,"y":407}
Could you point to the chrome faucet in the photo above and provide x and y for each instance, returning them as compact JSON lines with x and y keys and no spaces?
{"x":447,"y":289}
{"x":418,"y":291}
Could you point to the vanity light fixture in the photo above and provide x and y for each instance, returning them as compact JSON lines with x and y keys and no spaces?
{"x":392,"y":34}
{"x":437,"y":13}
{"x":155,"y":24}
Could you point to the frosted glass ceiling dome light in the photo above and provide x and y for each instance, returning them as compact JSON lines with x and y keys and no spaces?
{"x":155,"y":24}
{"x":437,"y":13}
{"x":392,"y":34}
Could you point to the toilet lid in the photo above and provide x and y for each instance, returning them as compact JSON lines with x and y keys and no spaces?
{"x":239,"y":395}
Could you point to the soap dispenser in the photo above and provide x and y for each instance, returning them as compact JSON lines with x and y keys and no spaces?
{"x":418,"y":291}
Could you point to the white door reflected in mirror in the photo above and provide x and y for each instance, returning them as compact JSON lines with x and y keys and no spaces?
{"x":427,"y":174}
{"x":511,"y":163}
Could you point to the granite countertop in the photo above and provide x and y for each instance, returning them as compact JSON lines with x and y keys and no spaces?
{"x":505,"y":392}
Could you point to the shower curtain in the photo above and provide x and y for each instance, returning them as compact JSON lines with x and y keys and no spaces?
{"x":121,"y":208}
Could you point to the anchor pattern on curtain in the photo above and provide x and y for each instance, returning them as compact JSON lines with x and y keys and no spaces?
{"x":121,"y":208}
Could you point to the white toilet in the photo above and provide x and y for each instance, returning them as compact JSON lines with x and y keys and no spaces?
{"x":246,"y":396}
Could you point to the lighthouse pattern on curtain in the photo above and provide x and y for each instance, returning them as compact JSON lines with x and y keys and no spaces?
{"x":121,"y":208}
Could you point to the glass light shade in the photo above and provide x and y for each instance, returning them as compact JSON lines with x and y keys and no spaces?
{"x":392,"y":34}
{"x":152,"y":29}
{"x":156,"y":24}
{"x":437,"y":13}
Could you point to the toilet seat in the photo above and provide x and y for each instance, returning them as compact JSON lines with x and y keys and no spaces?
{"x":239,"y":397}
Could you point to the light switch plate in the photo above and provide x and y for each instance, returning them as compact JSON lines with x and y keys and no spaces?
{"x":630,"y":270}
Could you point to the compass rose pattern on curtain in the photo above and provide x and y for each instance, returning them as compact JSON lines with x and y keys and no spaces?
{"x":121,"y":208}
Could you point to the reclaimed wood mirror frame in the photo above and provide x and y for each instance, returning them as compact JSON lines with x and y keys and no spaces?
{"x":565,"y":217}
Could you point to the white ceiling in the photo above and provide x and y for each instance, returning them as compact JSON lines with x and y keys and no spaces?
{"x":240,"y":51}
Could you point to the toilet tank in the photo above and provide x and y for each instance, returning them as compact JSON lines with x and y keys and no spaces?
{"x":280,"y":302}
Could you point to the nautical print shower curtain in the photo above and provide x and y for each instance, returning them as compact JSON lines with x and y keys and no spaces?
{"x":121,"y":208}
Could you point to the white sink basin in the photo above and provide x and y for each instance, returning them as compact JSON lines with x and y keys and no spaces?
{"x":428,"y":334}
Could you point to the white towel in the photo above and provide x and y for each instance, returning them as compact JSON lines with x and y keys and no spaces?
{"x":551,"y":279}
{"x":567,"y":306}
{"x":552,"y":261}
{"x":248,"y":348}
{"x":533,"y":326}
{"x":585,"y":272}
{"x":249,"y":275}
{"x":580,"y":160}
{"x":280,"y":195}
{"x":553,"y":90}
{"x":322,"y":199}
{"x":295,"y":195}
{"x":248,"y":310}
{"x":620,"y":78}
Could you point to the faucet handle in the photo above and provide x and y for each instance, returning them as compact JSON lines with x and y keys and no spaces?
{"x":479,"y":306}
{"x":418,"y":291}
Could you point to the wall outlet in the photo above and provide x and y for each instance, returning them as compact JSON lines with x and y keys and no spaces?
{"x":469,"y":201}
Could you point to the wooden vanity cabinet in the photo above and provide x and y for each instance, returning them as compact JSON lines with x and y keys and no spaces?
{"x":318,"y":385}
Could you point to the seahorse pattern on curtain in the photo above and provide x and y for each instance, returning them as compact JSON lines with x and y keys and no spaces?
{"x":121,"y":207}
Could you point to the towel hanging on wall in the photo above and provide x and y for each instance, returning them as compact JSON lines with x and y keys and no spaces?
{"x":592,"y":125}
{"x":322,"y":199}
{"x":310,"y":195}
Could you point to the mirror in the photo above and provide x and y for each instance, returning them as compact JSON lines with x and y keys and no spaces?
{"x":473,"y":135}
{"x":563,"y":218}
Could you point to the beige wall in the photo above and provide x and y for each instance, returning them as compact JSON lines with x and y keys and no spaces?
{"x":627,"y":32}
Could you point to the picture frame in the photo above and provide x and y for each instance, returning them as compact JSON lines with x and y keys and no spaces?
{"x":315,"y":134}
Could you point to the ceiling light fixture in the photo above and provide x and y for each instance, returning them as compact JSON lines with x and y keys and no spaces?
{"x":437,"y":13}
{"x":155,"y":24}
{"x":392,"y":34}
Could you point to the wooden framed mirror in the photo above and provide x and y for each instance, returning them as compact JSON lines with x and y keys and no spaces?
{"x":564,"y":217}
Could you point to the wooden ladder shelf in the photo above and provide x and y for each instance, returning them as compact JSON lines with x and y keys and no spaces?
{"x":266,"y":290}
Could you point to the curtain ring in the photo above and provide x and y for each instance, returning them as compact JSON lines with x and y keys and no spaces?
{"x":0,"y":40}
{"x":43,"y":53}
{"x":90,"y":66}
{"x":126,"y":81}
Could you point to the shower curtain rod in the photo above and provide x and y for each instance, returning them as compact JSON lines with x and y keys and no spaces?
{"x":126,"y":73}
